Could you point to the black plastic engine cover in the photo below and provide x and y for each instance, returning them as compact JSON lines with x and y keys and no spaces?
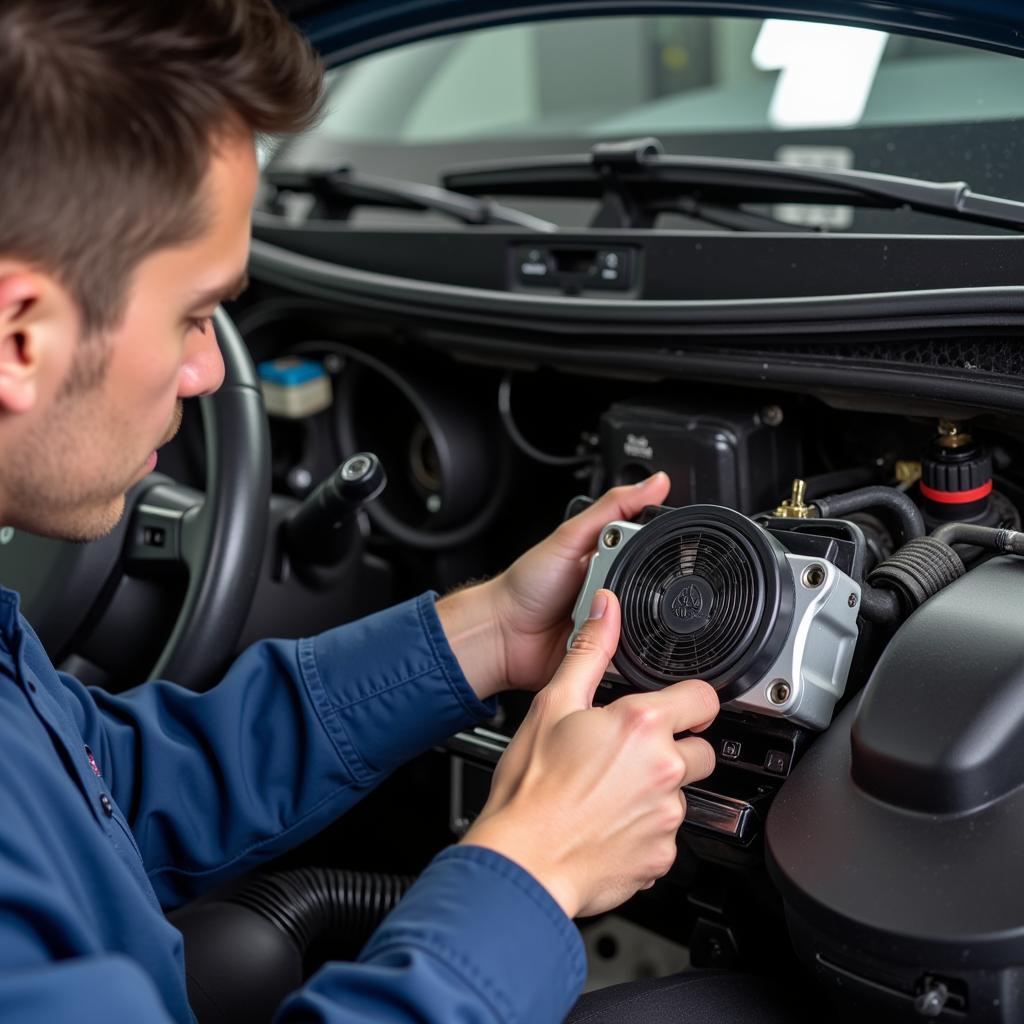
{"x":899,"y":837}
{"x":942,"y":728}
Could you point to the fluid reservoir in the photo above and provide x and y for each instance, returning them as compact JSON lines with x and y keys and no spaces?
{"x":956,"y":479}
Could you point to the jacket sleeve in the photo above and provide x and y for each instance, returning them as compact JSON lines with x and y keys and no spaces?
{"x":476,"y":940}
{"x":87,"y":990}
{"x":51,"y":966}
{"x":297,"y":732}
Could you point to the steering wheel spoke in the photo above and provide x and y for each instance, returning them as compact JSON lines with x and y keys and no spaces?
{"x":163,"y":529}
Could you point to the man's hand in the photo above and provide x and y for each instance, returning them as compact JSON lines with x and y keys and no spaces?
{"x":511,"y":632}
{"x":588,"y":799}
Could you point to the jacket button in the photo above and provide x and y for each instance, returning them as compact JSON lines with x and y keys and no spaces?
{"x":108,"y":807}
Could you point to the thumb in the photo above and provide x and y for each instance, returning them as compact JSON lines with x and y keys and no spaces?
{"x":577,"y":678}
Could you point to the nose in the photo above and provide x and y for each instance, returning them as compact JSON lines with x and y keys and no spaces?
{"x":202,"y":372}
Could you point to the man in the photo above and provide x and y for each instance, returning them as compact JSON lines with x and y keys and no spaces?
{"x":127,"y":180}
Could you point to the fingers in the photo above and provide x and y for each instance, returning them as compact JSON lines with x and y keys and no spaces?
{"x":691,"y":705}
{"x":586,"y":662}
{"x":682,"y":707}
{"x":580,"y":533}
{"x":699,"y":758}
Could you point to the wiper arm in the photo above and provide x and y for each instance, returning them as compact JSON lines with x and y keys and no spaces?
{"x":637,"y":180}
{"x":340,"y":191}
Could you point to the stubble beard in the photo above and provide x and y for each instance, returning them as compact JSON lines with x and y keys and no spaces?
{"x":48,"y":493}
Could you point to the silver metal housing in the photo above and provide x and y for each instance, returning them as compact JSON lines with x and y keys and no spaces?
{"x":815,"y":660}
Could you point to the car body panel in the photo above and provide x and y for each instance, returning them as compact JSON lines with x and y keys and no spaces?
{"x":343,"y":31}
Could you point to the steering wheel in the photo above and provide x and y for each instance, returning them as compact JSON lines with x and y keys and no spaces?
{"x":215,"y":538}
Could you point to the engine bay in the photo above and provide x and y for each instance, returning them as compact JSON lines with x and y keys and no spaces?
{"x":802,"y":532}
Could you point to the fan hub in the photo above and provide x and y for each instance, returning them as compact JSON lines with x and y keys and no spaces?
{"x":687,"y":604}
{"x":705,"y":593}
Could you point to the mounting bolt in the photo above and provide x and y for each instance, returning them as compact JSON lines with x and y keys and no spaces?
{"x":779,"y":691}
{"x":813,"y":577}
{"x":611,"y":537}
{"x":772,"y":416}
{"x":852,"y":600}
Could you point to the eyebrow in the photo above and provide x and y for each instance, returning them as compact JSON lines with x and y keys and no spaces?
{"x":222,"y":293}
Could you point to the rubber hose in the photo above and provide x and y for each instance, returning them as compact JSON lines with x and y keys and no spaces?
{"x":991,"y":538}
{"x":838,"y":505}
{"x":517,"y":438}
{"x":837,"y":480}
{"x":245,"y":952}
{"x":881,"y":606}
{"x":310,"y":903}
{"x":918,"y":571}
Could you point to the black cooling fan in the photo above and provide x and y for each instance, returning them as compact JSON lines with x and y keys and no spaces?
{"x":705,"y":593}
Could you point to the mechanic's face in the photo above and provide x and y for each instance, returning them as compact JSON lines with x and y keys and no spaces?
{"x":68,"y":452}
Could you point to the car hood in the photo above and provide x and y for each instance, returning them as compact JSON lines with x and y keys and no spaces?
{"x":345,"y":29}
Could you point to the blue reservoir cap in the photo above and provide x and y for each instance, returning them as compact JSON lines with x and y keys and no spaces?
{"x":290,"y":372}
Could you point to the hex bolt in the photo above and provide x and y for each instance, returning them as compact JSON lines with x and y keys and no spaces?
{"x":612,"y":537}
{"x":779,"y":691}
{"x":814,"y":576}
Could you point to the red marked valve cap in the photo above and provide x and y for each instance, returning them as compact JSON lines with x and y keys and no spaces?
{"x":956,"y":497}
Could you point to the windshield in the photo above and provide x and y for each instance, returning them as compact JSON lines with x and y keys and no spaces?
{"x":798,"y":92}
{"x":609,"y":76}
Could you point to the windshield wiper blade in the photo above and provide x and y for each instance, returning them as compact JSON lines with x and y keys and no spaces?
{"x":636,"y":179}
{"x":340,"y":191}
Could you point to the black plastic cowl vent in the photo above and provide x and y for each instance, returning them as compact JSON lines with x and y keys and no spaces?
{"x":999,"y":356}
{"x":705,"y":593}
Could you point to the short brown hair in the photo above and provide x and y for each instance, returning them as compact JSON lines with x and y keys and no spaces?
{"x":110,"y":110}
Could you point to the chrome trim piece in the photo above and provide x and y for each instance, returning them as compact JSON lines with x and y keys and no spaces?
{"x":723,"y":816}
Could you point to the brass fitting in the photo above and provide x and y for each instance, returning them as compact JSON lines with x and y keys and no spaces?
{"x":795,"y":507}
{"x":952,"y":435}
{"x":907,"y":471}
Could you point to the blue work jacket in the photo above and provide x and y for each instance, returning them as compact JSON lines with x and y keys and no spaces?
{"x":114,"y":809}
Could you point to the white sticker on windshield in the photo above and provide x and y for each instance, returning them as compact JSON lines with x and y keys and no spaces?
{"x":811,"y":215}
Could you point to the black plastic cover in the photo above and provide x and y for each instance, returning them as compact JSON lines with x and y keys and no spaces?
{"x":713,"y":455}
{"x":901,"y":831}
{"x":941,"y":725}
{"x":836,"y":540}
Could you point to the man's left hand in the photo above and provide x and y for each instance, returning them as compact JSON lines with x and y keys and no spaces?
{"x":511,"y":632}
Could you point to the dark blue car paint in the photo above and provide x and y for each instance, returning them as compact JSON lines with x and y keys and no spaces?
{"x":343,"y":31}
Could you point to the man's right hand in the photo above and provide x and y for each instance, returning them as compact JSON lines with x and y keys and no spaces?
{"x":589,"y":800}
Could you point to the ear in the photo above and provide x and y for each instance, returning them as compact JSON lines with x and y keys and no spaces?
{"x":37,"y":331}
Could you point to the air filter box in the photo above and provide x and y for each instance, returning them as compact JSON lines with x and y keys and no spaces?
{"x":720,"y":456}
